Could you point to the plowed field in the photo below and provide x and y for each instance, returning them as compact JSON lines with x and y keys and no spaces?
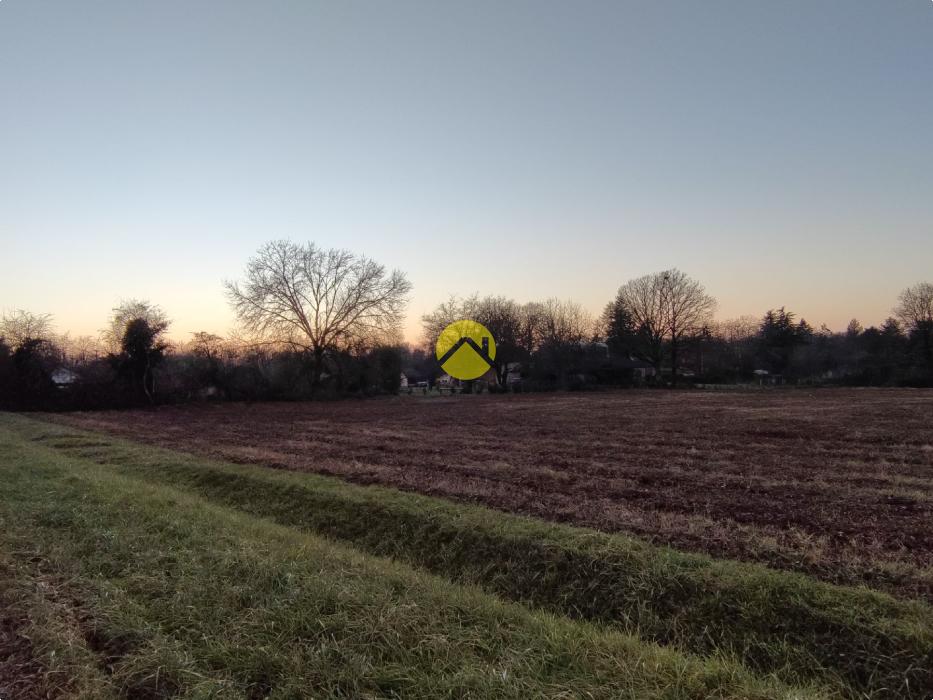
{"x":836,"y":483}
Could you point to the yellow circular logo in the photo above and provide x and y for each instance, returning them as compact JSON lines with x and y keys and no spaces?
{"x":466,"y":349}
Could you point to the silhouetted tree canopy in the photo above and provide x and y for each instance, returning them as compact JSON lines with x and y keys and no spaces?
{"x":19,"y":326}
{"x":130,"y":310}
{"x":141,"y":351}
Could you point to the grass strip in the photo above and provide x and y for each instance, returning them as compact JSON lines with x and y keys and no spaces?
{"x":173,"y":595}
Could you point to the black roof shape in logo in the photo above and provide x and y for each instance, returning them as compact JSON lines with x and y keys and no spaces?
{"x":483,"y":351}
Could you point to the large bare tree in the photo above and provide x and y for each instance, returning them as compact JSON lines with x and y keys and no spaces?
{"x":689,"y":311}
{"x":318,"y":301}
{"x":641,"y":300}
{"x":666,"y":308}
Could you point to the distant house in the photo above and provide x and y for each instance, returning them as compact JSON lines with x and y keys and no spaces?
{"x":63,"y":377}
{"x":638,"y":368}
{"x":766,"y":378}
{"x":682,"y":372}
{"x":513,"y":373}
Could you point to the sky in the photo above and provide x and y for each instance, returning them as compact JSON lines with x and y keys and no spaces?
{"x":779,"y":152}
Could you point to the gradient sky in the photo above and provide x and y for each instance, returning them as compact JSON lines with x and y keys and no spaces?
{"x":781,"y":152}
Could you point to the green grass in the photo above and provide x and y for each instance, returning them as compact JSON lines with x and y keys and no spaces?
{"x":857,"y":641}
{"x":140,"y":589}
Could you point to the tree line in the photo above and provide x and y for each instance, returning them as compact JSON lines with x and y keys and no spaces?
{"x":314,"y":322}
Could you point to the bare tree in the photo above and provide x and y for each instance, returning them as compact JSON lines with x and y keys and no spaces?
{"x":82,"y":349}
{"x":126,"y":311}
{"x":737,"y":330}
{"x":915,"y":305}
{"x":454,"y":309}
{"x":503,"y":317}
{"x":505,"y":320}
{"x":738,"y":340}
{"x":563,"y":328}
{"x":318,"y":301}
{"x":563,"y":323}
{"x":915,"y":310}
{"x":18,"y":326}
{"x":518,"y":329}
{"x":689,"y":310}
{"x":207,"y":345}
{"x":666,"y":308}
{"x":531,"y":327}
{"x":642,"y":299}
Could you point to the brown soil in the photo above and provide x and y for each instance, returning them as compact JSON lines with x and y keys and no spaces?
{"x":838,"y":483}
{"x":21,"y":676}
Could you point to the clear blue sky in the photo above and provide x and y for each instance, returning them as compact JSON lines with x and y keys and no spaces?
{"x":780,"y":152}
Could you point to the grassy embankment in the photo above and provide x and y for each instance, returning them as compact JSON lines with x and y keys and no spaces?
{"x":151,"y":568}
